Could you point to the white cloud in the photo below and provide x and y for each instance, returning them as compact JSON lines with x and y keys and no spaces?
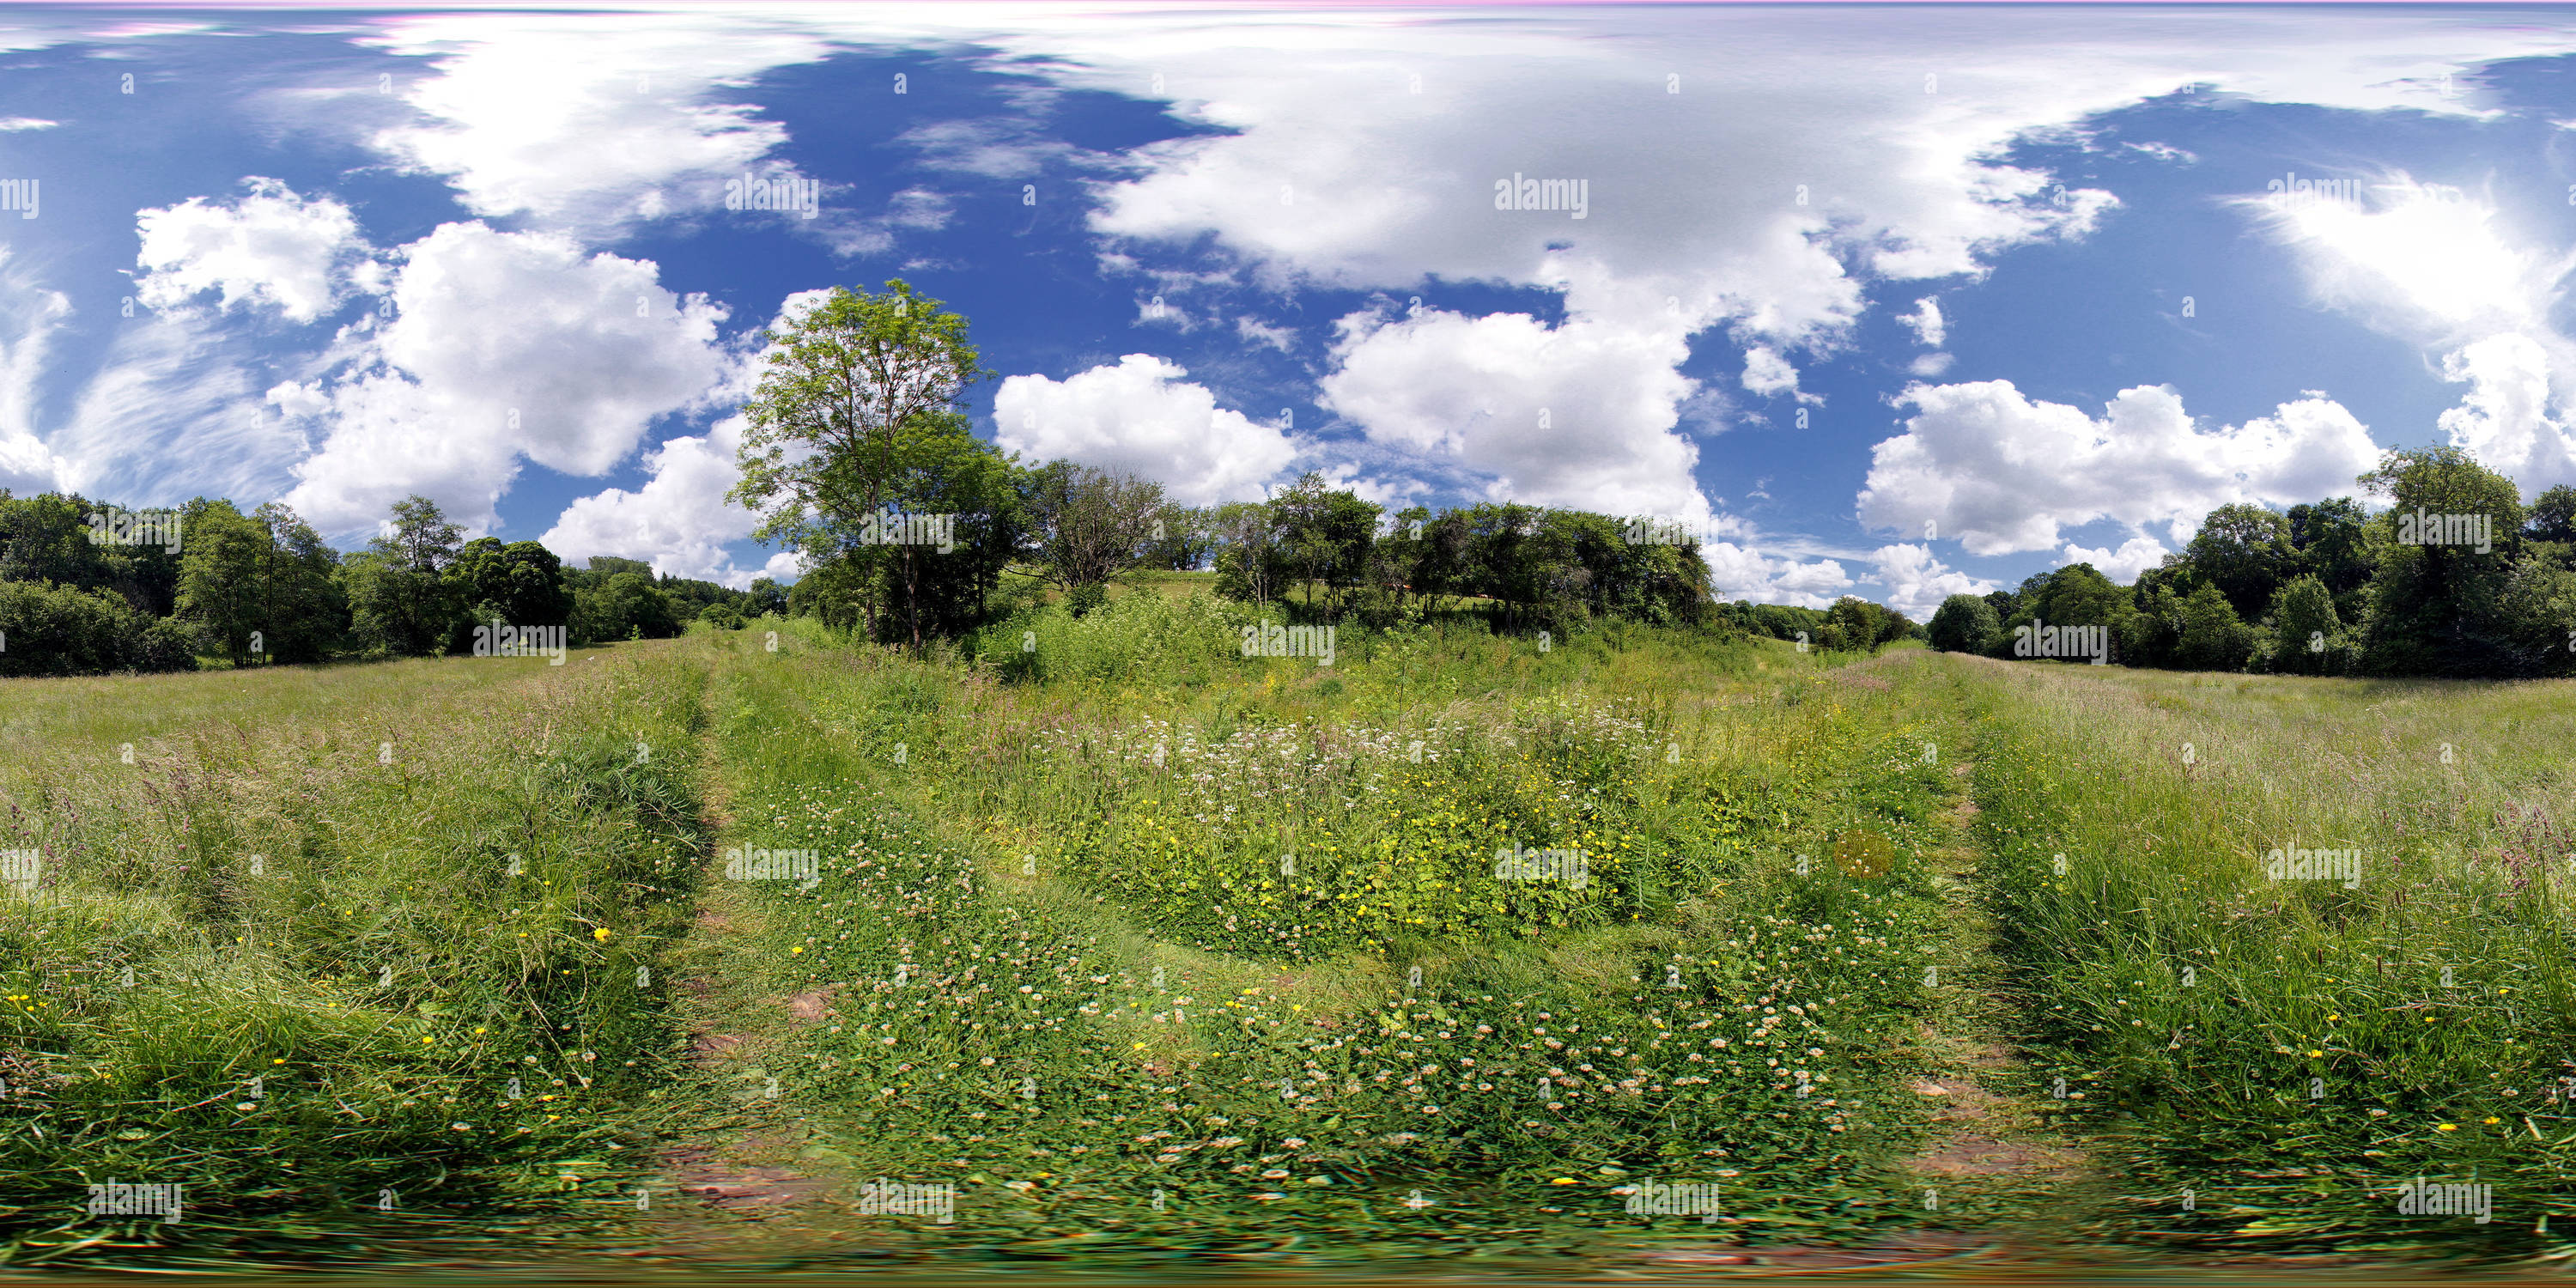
{"x":1767,"y":373}
{"x":1141,"y":417}
{"x":1930,"y":366}
{"x":505,"y":346}
{"x":2436,"y":267}
{"x":173,"y":413}
{"x":1253,"y":331}
{"x":2001,"y":473}
{"x":30,"y":315}
{"x":2505,"y":419}
{"x":271,"y":247}
{"x":1580,"y":415}
{"x":1925,"y":320}
{"x":679,"y":520}
{"x":21,"y":124}
{"x":584,"y":123}
{"x":1917,"y":582}
{"x":2123,"y":565}
{"x":1743,"y":572}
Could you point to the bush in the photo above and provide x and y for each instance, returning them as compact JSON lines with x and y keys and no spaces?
{"x":1134,"y":637}
{"x":47,"y":629}
{"x":722,"y":617}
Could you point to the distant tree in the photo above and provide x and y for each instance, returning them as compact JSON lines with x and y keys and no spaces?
{"x":2437,"y":608}
{"x":1251,"y":562}
{"x":2245,"y":551}
{"x":2332,"y":543}
{"x":1088,"y":525}
{"x":627,"y":606}
{"x":308,"y":615}
{"x":518,"y":584}
{"x":399,"y":600}
{"x":64,"y":630}
{"x":1182,"y":539}
{"x":2213,"y":637}
{"x":222,"y":577}
{"x":766,"y":598}
{"x":2553,"y":516}
{"x":2309,"y":636}
{"x":1964,"y":624}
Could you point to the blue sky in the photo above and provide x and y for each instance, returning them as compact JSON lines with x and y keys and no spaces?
{"x":338,"y":257}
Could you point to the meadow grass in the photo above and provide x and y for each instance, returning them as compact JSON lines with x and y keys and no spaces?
{"x":1149,"y":946}
{"x":336,"y":947}
{"x":2292,"y":1050}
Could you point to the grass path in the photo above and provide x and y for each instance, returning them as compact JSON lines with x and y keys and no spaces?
{"x":1993,"y":1149}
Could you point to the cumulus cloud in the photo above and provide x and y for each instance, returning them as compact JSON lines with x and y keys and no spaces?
{"x":1926,"y":323}
{"x":505,"y":347}
{"x":679,"y":520}
{"x":271,"y":247}
{"x":1917,"y":582}
{"x":2002,"y":473}
{"x":584,"y":124}
{"x":1745,"y":572}
{"x":1767,"y":373}
{"x":1141,"y":417}
{"x":2505,"y":419}
{"x":2123,"y":565}
{"x":1581,"y":414}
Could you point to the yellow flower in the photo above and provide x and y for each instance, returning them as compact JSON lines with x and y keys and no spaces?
{"x":2446,"y":1126}
{"x":2316,"y":1053}
{"x":797,"y":949}
{"x":600,"y":934}
{"x":2493,"y":1121}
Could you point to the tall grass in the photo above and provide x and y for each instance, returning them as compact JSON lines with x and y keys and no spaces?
{"x":338,"y":941}
{"x":2292,"y":1050}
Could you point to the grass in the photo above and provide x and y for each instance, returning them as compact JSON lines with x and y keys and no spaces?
{"x":1148,"y":947}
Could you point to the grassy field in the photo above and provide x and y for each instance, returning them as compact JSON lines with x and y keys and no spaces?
{"x":1147,"y":948}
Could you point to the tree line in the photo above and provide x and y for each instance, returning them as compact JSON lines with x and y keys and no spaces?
{"x":2457,"y":577}
{"x":89,"y":588}
{"x":859,"y":456}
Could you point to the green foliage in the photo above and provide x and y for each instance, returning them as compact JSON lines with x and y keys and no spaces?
{"x":400,"y":601}
{"x":2310,"y":638}
{"x":521,"y":584}
{"x":47,"y":629}
{"x":626,"y":606}
{"x":1964,"y":624}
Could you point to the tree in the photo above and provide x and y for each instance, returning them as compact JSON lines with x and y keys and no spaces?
{"x":222,"y":574}
{"x":1088,"y":525}
{"x":1182,"y":538}
{"x":399,"y":601}
{"x":1251,"y":564}
{"x":1964,"y":624}
{"x":627,"y":606}
{"x":520,"y":584}
{"x":2436,"y":606}
{"x":842,"y":379}
{"x":2245,"y":551}
{"x":2309,"y":635}
{"x":308,"y":615}
{"x":64,"y":630}
{"x":2553,"y":516}
{"x":1325,"y":534}
{"x":766,"y":598}
{"x":2213,"y":637}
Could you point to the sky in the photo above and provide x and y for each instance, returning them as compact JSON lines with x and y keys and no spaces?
{"x":1898,"y":301}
